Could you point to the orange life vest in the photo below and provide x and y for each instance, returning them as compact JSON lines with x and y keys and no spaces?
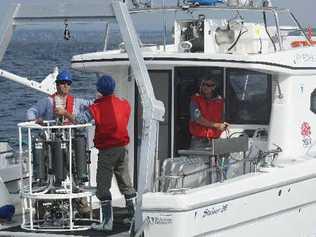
{"x":212,"y":110}
{"x":111,"y":115}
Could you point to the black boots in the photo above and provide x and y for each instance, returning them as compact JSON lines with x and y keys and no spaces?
{"x":130,"y":205}
{"x":130,"y":201}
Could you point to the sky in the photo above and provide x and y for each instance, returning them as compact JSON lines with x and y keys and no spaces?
{"x":304,"y":10}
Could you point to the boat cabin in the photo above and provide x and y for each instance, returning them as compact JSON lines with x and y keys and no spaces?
{"x":266,"y":74}
{"x":248,"y":61}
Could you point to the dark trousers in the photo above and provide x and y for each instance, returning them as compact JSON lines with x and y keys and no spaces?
{"x":113,"y":160}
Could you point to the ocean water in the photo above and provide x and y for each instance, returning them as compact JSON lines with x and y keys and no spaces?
{"x":34,"y":54}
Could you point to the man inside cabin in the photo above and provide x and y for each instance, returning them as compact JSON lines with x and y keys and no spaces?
{"x":47,"y":108}
{"x":111,"y":115}
{"x":206,"y":115}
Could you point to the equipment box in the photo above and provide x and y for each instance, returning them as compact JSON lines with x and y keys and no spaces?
{"x":183,"y":172}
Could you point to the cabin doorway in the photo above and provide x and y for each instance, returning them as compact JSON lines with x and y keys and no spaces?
{"x":187,"y":82}
{"x":162,"y":85}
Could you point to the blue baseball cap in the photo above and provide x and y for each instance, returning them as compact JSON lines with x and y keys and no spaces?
{"x":105,"y":85}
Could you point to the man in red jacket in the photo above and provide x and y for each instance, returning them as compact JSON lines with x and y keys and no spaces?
{"x":111,"y":115}
{"x":206,"y":111}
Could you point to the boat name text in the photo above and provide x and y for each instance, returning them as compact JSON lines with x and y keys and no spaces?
{"x":304,"y":58}
{"x":214,"y":210}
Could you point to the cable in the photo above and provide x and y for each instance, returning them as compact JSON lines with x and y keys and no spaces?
{"x":266,"y":28}
{"x":238,"y":37}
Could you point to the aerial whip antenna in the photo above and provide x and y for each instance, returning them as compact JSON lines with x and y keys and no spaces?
{"x":67,"y":35}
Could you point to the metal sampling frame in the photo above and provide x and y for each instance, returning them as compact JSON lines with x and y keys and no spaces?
{"x":30,"y":195}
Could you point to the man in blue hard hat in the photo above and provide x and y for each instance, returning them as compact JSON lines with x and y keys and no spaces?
{"x":47,"y":108}
{"x":111,"y":115}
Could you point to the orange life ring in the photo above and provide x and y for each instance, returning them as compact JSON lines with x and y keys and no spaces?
{"x":302,"y":43}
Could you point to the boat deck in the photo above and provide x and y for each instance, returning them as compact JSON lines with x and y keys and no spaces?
{"x":119,"y":229}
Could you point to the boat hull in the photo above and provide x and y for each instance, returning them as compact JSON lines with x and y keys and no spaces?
{"x":281,"y":208}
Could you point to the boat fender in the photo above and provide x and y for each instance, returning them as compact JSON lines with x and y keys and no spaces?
{"x":7,"y":212}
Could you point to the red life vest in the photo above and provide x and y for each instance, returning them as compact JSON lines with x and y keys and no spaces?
{"x":111,"y":115}
{"x":211,"y":110}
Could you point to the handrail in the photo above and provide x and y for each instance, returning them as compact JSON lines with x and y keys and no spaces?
{"x":300,"y":27}
{"x":203,"y":8}
{"x":277,"y":24}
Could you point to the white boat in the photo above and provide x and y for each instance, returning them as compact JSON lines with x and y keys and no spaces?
{"x":265,"y":75}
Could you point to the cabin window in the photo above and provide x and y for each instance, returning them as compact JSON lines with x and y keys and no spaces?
{"x":248,"y":97}
{"x":313,"y":101}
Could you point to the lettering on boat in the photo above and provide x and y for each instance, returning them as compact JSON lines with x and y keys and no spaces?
{"x":214,"y":210}
{"x":304,"y":58}
{"x":159,"y":220}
